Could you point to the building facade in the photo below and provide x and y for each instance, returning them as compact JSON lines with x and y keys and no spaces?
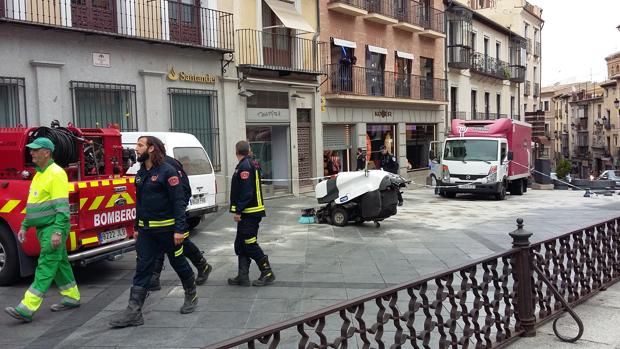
{"x":276,"y":103}
{"x":143,"y":65}
{"x":385,"y":81}
{"x":526,"y":19}
{"x":484,"y":66}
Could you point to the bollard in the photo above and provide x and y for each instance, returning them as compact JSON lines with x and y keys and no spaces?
{"x":523,"y":271}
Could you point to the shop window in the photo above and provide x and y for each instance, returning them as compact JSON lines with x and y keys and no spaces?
{"x":195,"y":112}
{"x":270,"y":145}
{"x":268,"y":99}
{"x":418,"y":139}
{"x":12,"y":102}
{"x":377,"y":136}
{"x":101,"y":105}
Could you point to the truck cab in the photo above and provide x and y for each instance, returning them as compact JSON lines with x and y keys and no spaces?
{"x":188,"y":150}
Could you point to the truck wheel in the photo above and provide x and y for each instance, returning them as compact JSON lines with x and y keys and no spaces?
{"x":502,"y":193}
{"x":524,"y":184}
{"x":192,"y":222}
{"x":516,"y":187}
{"x":9,"y":260}
{"x":340,"y":217}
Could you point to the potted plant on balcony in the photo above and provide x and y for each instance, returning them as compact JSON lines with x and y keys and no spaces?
{"x":562,"y":169}
{"x":507,"y":73}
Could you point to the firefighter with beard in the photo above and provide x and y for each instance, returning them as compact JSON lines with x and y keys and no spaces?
{"x":160,"y":223}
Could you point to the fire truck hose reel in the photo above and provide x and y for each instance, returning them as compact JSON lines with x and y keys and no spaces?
{"x":64,"y":141}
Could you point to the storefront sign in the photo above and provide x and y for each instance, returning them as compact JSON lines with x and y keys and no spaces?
{"x":268,"y":115}
{"x":189,"y":77}
{"x":101,"y":59}
{"x":383,"y":114}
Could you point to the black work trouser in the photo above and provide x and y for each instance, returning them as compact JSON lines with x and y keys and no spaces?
{"x":190,"y":250}
{"x":151,"y":245}
{"x":246,"y":241}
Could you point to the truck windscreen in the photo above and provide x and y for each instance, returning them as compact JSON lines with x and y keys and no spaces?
{"x":471,"y":150}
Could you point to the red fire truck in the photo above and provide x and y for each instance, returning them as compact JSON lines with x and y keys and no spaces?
{"x":101,"y":198}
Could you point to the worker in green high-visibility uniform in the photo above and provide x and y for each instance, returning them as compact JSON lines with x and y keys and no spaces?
{"x":47,"y":209}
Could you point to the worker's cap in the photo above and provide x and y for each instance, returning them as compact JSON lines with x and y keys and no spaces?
{"x":41,"y":142}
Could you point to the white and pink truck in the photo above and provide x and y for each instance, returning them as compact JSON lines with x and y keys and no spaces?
{"x":484,"y":157}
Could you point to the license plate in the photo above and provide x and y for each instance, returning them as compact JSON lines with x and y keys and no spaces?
{"x":112,"y":235}
{"x":467,"y":186}
{"x":198,"y":200}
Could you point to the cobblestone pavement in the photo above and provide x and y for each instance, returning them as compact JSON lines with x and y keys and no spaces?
{"x":316,"y":266}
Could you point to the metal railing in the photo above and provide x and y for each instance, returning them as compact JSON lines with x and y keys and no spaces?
{"x":527,"y":88}
{"x":355,"y":3}
{"x":360,"y":81}
{"x":411,"y":13}
{"x":480,"y":115}
{"x":97,"y":104}
{"x":13,"y":101}
{"x":486,"y":303}
{"x":461,"y":115}
{"x":432,"y":19}
{"x":517,"y":73}
{"x":487,"y":65}
{"x":459,"y":57}
{"x":163,"y":21}
{"x":279,"y":51}
{"x":382,"y":7}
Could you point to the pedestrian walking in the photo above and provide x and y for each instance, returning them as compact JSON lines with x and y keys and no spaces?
{"x":47,"y":210}
{"x":190,"y":250}
{"x":389,"y":164}
{"x":361,"y":160}
{"x":246,"y":203}
{"x":160,"y":227}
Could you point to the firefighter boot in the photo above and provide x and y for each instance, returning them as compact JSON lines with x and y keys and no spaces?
{"x":132,"y":316}
{"x":266,"y":275}
{"x":203,"y":269}
{"x":191,"y":298}
{"x":243,"y":276}
{"x":158,"y":266}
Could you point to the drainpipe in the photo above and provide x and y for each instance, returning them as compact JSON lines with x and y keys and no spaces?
{"x":445,"y":69}
{"x":318,"y":30}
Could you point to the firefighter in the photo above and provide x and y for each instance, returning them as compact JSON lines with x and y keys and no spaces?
{"x":160,"y":221}
{"x":190,"y":250}
{"x":47,"y":209}
{"x":246,"y":203}
{"x":389,"y":164}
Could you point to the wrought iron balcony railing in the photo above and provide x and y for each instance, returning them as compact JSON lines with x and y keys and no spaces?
{"x":271,"y":50}
{"x":481,"y":115}
{"x":459,"y":57}
{"x":432,"y":19}
{"x":361,"y":4}
{"x":163,"y":21}
{"x":461,"y":115}
{"x":517,"y":73}
{"x":487,"y":65}
{"x":411,"y":13}
{"x":382,"y":7}
{"x":360,"y":81}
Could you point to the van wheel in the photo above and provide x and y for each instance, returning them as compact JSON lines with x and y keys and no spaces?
{"x":340,"y":217}
{"x":9,"y":260}
{"x":502,"y":192}
{"x":192,"y":222}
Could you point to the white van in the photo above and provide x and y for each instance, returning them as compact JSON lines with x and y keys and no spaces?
{"x":196,"y":162}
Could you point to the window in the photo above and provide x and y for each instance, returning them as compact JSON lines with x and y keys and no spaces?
{"x":426,"y":79}
{"x":194,"y":160}
{"x":101,"y":104}
{"x":375,"y":67}
{"x":546,"y":105}
{"x":487,"y":105}
{"x":12,"y":102}
{"x":498,"y":104}
{"x":474,"y":105}
{"x":473,"y":41}
{"x":342,"y":68}
{"x":403,"y":77}
{"x":498,"y":50}
{"x":268,"y":99}
{"x":512,"y":107}
{"x":418,"y":138}
{"x":195,"y":112}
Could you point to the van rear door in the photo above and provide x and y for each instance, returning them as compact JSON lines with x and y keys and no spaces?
{"x":197,"y":165}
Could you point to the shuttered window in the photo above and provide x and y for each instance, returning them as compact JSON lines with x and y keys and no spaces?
{"x":336,"y":137}
{"x":195,"y":112}
{"x":12,"y":102}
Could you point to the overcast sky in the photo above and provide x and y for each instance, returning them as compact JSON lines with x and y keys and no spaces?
{"x":576,"y":38}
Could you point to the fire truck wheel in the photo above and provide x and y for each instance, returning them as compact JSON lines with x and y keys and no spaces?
{"x":9,"y":260}
{"x":193,"y":222}
{"x":340,"y":217}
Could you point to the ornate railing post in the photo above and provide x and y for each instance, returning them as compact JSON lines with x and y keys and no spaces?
{"x":523,"y":271}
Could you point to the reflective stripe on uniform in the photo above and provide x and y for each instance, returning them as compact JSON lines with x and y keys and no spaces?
{"x":259,"y":199}
{"x":70,"y":293}
{"x":31,"y":302}
{"x":250,"y":241}
{"x":157,"y":224}
{"x":178,"y":252}
{"x":186,"y":234}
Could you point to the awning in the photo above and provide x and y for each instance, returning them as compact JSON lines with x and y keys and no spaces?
{"x":377,"y":49}
{"x":287,"y":13}
{"x":344,"y":43}
{"x":402,"y":54}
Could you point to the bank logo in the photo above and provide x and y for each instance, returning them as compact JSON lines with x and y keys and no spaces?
{"x":172,"y":75}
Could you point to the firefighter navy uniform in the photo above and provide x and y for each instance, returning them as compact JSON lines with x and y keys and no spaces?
{"x":246,"y":199}
{"x":160,"y":212}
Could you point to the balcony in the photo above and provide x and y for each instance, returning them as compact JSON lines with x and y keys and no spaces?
{"x":410,"y":18}
{"x":351,"y":82}
{"x":433,"y":21}
{"x":272,"y":51}
{"x":489,"y":66}
{"x":162,"y":21}
{"x":459,"y":57}
{"x":537,"y":49}
{"x":381,"y":11}
{"x":517,"y":73}
{"x":480,"y":115}
{"x":527,"y":88}
{"x":536,"y":89}
{"x":348,"y":7}
{"x":461,"y":115}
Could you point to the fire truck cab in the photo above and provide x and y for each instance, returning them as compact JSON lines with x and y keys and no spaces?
{"x":101,"y":198}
